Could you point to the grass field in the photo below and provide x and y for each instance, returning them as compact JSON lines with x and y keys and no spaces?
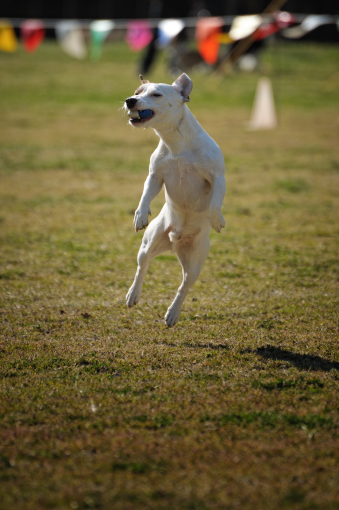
{"x":103,"y":407}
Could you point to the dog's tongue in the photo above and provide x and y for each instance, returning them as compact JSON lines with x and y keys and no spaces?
{"x":145,"y":114}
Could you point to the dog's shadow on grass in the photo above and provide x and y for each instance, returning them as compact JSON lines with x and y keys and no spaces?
{"x":307,"y":362}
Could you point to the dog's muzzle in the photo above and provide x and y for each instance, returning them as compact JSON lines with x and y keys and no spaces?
{"x":131,"y":102}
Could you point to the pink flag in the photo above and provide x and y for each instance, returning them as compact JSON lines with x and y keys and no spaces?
{"x":139,"y":34}
{"x":284,"y":19}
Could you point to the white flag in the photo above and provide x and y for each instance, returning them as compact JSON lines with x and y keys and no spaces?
{"x":168,"y":29}
{"x":243,"y":26}
{"x":310,"y":23}
{"x":71,"y":38}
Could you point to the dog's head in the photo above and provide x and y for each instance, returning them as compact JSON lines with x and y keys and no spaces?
{"x":156,"y":104}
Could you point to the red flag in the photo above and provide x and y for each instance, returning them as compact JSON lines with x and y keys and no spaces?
{"x":207,"y":35}
{"x":32,"y":34}
{"x":265,"y":31}
{"x":281,"y":20}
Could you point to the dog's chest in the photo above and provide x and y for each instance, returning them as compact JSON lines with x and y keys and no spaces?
{"x":185,"y":185}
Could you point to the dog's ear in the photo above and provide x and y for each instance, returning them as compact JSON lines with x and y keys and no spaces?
{"x":141,"y":79}
{"x":184,"y":85}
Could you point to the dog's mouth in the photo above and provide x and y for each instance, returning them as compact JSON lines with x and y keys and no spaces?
{"x":140,"y":116}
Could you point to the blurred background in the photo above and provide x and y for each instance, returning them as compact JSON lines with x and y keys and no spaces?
{"x":103,"y":9}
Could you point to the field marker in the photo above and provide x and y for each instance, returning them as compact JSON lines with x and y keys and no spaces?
{"x":263,"y":112}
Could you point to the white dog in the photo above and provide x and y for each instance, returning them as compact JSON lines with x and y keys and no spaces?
{"x":191,"y":166}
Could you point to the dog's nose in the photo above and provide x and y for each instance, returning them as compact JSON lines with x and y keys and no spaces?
{"x":131,"y":101}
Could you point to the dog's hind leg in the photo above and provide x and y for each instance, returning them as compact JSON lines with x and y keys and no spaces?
{"x":192,"y":256}
{"x":154,"y":242}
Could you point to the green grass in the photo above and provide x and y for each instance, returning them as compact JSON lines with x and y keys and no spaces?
{"x":103,"y":407}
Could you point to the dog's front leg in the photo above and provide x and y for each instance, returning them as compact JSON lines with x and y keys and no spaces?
{"x":215,"y":216}
{"x":152,"y":188}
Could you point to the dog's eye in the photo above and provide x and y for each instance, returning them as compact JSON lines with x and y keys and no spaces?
{"x":157,"y":95}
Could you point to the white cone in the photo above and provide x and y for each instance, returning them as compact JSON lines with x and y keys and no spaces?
{"x":263,"y":113}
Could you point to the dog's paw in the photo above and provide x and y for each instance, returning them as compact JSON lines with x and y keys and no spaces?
{"x":217,"y":220}
{"x":133,"y":296}
{"x":141,"y":218}
{"x":172,"y":316}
